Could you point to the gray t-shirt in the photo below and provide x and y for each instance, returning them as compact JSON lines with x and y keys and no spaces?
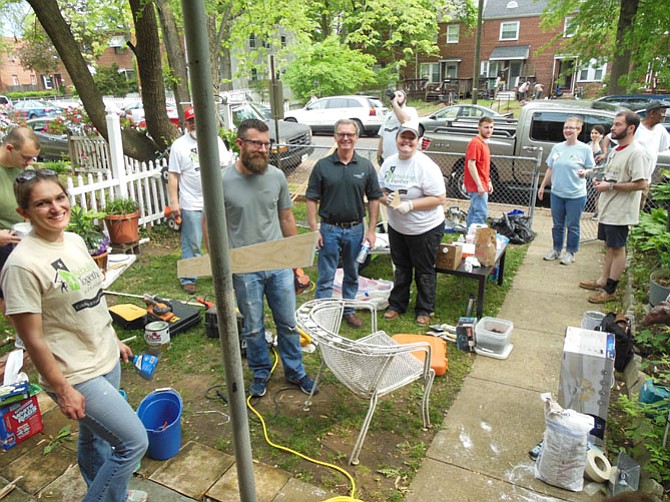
{"x":252,"y":205}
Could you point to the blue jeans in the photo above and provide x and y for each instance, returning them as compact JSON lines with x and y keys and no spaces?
{"x":278,"y":288}
{"x":566,"y":213}
{"x":338,"y":241}
{"x":479,"y":210}
{"x":112,"y":439}
{"x":191,"y":238}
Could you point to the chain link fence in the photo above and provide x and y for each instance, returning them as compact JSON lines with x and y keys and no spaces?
{"x":515,"y":183}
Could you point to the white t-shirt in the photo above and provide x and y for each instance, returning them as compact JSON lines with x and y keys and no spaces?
{"x":389,"y":130}
{"x":654,"y":140}
{"x":184,"y":161}
{"x":415,"y":178}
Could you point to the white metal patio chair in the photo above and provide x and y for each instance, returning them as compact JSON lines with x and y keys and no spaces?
{"x":369,"y":367}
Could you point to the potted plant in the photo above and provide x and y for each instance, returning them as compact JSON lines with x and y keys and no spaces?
{"x":122,"y":220}
{"x":651,"y":237}
{"x":83,"y":223}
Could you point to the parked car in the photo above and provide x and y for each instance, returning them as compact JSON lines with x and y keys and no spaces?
{"x":52,"y":146}
{"x":295,"y":140}
{"x":321,"y":115}
{"x":264,"y":111}
{"x":33,"y":108}
{"x":135,"y":113}
{"x":5,"y":104}
{"x":456,"y":112}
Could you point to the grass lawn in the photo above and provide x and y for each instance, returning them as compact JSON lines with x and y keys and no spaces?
{"x":395,"y":445}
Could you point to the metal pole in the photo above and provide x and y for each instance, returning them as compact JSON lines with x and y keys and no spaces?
{"x":478,"y":44}
{"x":195,"y":22}
{"x":276,"y":120}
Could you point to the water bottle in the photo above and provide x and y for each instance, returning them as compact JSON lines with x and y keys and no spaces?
{"x":363,"y":253}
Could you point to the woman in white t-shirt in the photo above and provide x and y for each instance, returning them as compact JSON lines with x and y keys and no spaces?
{"x":415,"y":197}
{"x":54,"y":297}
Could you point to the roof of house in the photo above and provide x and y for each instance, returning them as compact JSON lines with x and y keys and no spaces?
{"x":500,"y":9}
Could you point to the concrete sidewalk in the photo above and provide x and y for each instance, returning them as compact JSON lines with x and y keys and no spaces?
{"x":481,"y":452}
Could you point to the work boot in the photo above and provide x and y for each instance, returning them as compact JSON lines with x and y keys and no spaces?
{"x":602,"y":297}
{"x":590,"y":285}
{"x":353,"y":320}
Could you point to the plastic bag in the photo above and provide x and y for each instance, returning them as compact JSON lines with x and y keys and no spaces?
{"x":515,"y":226}
{"x":563,"y":457}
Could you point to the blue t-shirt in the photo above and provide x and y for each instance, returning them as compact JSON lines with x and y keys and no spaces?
{"x":566,"y":161}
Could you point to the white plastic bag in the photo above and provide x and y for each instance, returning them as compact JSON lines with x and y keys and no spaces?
{"x":563,"y":457}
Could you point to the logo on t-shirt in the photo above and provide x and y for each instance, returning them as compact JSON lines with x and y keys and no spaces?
{"x":65,"y":279}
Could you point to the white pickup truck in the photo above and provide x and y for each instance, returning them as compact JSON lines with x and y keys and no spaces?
{"x":540,"y":125}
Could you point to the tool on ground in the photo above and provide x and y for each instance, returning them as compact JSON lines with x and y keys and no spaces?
{"x":207,"y":303}
{"x":172,"y":218}
{"x":141,"y":297}
{"x":158,"y":307}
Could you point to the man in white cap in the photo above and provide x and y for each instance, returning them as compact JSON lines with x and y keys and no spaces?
{"x":185,"y":190}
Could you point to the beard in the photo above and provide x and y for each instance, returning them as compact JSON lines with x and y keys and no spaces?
{"x":255,"y":163}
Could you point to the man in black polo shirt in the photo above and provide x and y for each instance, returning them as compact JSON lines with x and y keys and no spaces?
{"x":337,"y":187}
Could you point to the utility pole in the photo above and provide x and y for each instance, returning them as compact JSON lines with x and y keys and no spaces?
{"x":478,"y":44}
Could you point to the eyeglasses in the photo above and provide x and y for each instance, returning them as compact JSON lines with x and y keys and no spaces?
{"x":345,"y":134}
{"x":256,"y":143}
{"x":570,"y":128}
{"x":30,"y":174}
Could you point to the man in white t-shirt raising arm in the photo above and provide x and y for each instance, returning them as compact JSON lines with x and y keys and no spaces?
{"x":394,"y":119}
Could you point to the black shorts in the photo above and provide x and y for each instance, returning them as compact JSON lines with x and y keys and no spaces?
{"x":615,"y":236}
{"x":4,"y":254}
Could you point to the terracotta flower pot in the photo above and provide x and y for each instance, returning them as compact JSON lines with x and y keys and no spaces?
{"x":123,"y":228}
{"x":101,"y":261}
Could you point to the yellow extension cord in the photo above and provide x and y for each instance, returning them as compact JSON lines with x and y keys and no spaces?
{"x":352,"y":482}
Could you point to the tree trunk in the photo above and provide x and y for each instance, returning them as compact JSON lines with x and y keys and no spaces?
{"x":149,"y":67}
{"x":137,"y":146}
{"x":176,"y":56}
{"x":621,"y":62}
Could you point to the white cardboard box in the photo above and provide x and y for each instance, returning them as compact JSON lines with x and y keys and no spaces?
{"x":587,"y":374}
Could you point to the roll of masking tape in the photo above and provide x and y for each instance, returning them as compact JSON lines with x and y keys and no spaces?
{"x":598,"y":468}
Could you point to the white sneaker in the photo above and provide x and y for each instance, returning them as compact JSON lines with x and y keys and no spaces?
{"x":552,"y":255}
{"x":137,"y":496}
{"x":568,"y":258}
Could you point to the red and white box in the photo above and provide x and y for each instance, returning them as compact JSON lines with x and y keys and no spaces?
{"x":20,"y":421}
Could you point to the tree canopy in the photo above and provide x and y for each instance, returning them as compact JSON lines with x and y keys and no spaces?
{"x":613,"y":31}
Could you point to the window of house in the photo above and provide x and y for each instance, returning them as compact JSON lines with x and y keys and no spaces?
{"x":46,"y":82}
{"x":432,"y":71}
{"x":592,"y":72}
{"x":33,"y":79}
{"x":119,"y":50}
{"x":509,"y":30}
{"x":252,"y":41}
{"x":282,"y":40}
{"x":484,"y":68}
{"x":452,"y":33}
{"x":15,"y":80}
{"x":254,"y":74}
{"x":569,"y":27}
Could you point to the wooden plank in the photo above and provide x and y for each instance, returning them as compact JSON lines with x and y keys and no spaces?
{"x":290,"y":252}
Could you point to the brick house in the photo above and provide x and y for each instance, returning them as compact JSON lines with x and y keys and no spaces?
{"x":510,"y":54}
{"x":15,"y":78}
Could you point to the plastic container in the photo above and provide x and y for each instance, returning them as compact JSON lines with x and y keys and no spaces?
{"x":592,"y":319}
{"x":160,"y":412}
{"x":493,"y":334}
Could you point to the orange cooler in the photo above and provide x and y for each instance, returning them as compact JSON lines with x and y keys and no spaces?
{"x":439,"y":361}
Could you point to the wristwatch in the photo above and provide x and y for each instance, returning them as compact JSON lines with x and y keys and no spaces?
{"x":611,"y":186}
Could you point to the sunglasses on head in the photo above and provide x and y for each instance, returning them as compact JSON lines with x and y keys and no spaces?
{"x":30,"y":174}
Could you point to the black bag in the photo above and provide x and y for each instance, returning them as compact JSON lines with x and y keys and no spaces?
{"x":515,"y":227}
{"x":619,"y":326}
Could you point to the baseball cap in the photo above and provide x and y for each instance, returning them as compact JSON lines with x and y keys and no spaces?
{"x":409,"y":126}
{"x":189,"y":114}
{"x":656,"y":105}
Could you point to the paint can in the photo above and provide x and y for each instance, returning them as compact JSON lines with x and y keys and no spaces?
{"x":592,"y":319}
{"x":157,"y":334}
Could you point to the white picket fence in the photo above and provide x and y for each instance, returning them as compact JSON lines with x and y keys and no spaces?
{"x":121,"y":177}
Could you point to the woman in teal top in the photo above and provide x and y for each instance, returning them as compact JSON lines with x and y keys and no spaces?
{"x":568,"y":164}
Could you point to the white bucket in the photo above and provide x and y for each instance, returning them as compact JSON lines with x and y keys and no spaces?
{"x":592,"y":319}
{"x":157,"y":333}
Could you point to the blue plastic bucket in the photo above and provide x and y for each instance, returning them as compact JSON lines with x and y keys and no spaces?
{"x":160,"y":412}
